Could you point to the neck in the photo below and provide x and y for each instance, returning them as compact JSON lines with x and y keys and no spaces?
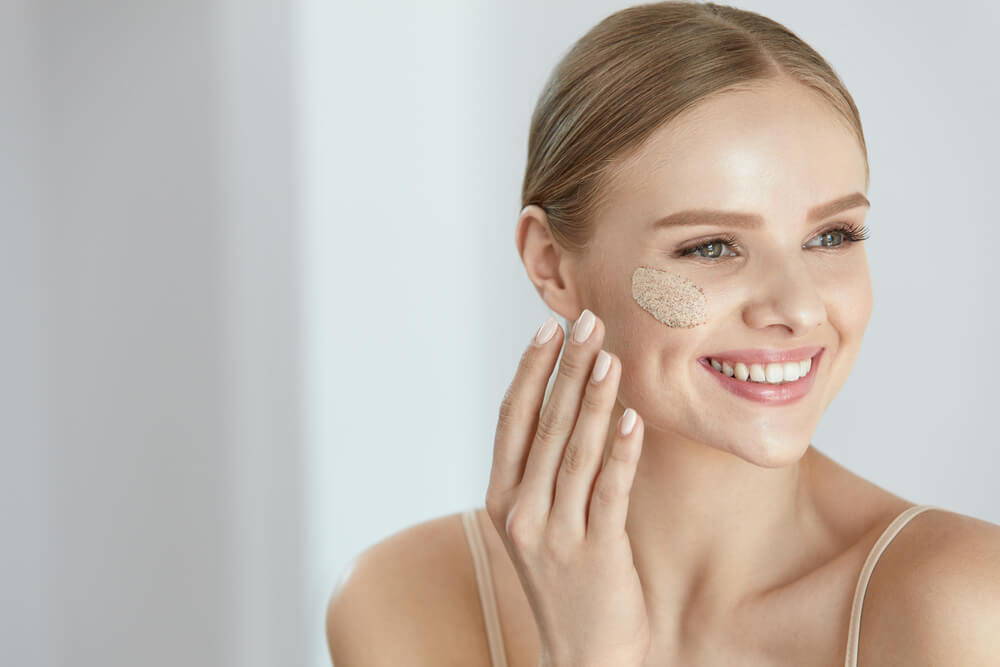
{"x":711,"y":532}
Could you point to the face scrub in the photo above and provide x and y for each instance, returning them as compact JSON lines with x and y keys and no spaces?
{"x":670,"y":298}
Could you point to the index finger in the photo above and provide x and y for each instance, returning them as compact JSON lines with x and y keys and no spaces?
{"x":520,"y":408}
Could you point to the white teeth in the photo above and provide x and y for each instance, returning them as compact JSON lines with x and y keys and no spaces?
{"x":774,"y":373}
{"x":790,"y":371}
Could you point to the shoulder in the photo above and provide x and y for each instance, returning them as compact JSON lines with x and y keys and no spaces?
{"x":407,"y":600}
{"x":934,"y":597}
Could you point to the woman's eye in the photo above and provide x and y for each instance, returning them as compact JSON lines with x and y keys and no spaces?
{"x":711,"y":249}
{"x":837,"y":234}
{"x":831,"y":238}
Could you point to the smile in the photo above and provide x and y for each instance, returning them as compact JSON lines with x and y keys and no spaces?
{"x":765,"y":383}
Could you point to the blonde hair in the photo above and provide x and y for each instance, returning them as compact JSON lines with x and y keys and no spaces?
{"x":638,"y":69}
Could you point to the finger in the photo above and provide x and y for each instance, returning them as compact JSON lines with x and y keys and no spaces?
{"x":559,"y":415}
{"x":581,"y":460}
{"x":518,"y":416}
{"x":609,"y":502}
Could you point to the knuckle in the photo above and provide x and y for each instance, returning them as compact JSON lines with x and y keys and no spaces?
{"x":553,"y":424}
{"x":495,"y":508}
{"x":520,"y":529}
{"x":594,"y":399}
{"x":571,"y":366}
{"x":506,"y":412}
{"x":558,"y":548}
{"x":621,"y":454}
{"x":608,"y":491}
{"x":575,"y":458}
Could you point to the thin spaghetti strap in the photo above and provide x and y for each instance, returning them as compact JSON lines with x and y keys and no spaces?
{"x":484,"y":581}
{"x":866,"y":572}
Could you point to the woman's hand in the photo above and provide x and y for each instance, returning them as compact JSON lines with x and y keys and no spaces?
{"x":564,"y":529}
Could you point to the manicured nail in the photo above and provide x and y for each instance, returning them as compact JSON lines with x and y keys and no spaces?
{"x":627,"y":421}
{"x":545,"y":331}
{"x":584,"y":325}
{"x":601,"y":366}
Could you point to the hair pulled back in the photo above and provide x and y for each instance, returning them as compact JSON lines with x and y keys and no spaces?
{"x":638,"y":69}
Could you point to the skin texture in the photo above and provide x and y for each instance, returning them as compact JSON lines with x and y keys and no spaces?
{"x":670,"y":298}
{"x":723,"y":506}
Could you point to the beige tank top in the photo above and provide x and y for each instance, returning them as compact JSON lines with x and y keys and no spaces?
{"x":487,"y":596}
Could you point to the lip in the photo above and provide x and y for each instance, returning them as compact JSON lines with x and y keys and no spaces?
{"x":765,"y":355}
{"x":765,"y":392}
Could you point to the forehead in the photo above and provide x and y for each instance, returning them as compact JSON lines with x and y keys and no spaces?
{"x":778,"y":150}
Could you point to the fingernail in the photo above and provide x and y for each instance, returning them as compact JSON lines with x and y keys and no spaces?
{"x":601,"y":366}
{"x":545,"y":331}
{"x":627,"y":421}
{"x":584,"y":325}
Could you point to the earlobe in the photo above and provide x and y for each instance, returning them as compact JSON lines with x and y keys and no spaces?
{"x":548,"y":265}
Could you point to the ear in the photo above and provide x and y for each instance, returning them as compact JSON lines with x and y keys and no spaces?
{"x":550,"y":267}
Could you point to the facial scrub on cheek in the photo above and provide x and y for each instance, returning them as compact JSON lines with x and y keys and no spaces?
{"x":670,"y":298}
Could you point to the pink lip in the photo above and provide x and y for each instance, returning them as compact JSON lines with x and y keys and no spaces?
{"x":765,"y":355}
{"x":765,"y":392}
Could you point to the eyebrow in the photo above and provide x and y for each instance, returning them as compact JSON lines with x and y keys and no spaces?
{"x":752,"y":220}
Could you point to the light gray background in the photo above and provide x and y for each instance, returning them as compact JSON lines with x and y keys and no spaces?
{"x":261,"y":296}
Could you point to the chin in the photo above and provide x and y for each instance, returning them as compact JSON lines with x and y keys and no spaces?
{"x":771,"y":452}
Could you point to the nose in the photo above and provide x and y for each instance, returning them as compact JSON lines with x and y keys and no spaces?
{"x":786,"y":294}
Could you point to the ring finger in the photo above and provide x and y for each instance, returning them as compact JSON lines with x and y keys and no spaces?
{"x":582,"y":458}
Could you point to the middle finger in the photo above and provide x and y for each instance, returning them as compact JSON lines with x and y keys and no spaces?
{"x":559,"y":415}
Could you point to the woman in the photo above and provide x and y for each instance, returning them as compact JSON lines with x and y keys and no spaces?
{"x":695,"y":199}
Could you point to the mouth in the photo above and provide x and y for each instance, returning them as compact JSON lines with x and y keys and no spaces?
{"x":764,"y":382}
{"x":766,"y":356}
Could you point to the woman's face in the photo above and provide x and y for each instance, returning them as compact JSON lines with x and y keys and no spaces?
{"x":779,"y":153}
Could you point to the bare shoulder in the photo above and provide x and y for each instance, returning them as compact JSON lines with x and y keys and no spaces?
{"x":934,"y":597}
{"x":407,"y":600}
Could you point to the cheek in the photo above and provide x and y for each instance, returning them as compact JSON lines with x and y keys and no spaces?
{"x":848,"y":295}
{"x":665,"y":299}
{"x":670,"y":298}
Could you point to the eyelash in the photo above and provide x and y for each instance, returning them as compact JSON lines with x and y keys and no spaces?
{"x":851,"y":233}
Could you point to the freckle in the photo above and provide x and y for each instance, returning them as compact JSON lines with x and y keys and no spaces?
{"x":669,"y":297}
